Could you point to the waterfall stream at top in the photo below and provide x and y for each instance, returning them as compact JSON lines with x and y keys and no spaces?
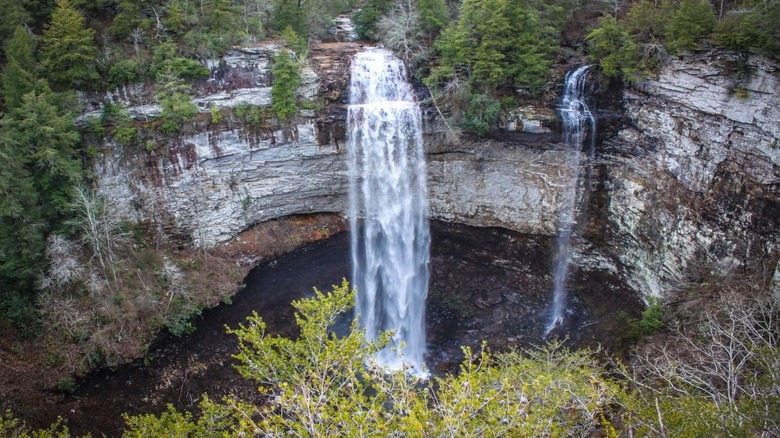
{"x":576,"y":118}
{"x":390,"y":248}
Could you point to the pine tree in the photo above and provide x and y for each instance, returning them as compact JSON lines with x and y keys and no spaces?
{"x":612,"y":48}
{"x":19,"y":77}
{"x":38,"y":148}
{"x":68,"y":53}
{"x":220,"y":20}
{"x":13,"y":15}
{"x":433,"y":16}
{"x":286,"y":80}
{"x":691,"y":20}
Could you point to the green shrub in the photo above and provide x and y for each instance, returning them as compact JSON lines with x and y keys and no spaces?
{"x":125,"y":135}
{"x":66,"y":385}
{"x":126,"y":71}
{"x":216,"y":115}
{"x":166,"y":63}
{"x":651,"y":320}
{"x":481,"y":113}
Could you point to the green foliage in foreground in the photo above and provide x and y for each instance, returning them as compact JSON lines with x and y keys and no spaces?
{"x":319,"y":385}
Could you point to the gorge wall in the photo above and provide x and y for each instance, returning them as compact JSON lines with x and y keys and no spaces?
{"x":688,"y":181}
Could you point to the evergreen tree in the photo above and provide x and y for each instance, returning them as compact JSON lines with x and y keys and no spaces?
{"x":220,"y":19}
{"x":20,"y":76}
{"x":289,"y":13}
{"x":433,"y":16}
{"x":175,"y":20}
{"x":612,"y":48}
{"x":368,"y":16}
{"x":13,"y":15}
{"x":38,"y":146}
{"x":691,"y":20}
{"x":286,"y":81}
{"x":68,"y":52}
{"x":502,"y":43}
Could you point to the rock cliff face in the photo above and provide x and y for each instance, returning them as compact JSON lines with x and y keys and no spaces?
{"x":693,"y":181}
{"x":689,"y":183}
{"x":212,"y":181}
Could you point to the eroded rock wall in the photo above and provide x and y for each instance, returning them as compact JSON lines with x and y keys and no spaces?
{"x":210,"y":181}
{"x":687,"y":185}
{"x":693,"y":181}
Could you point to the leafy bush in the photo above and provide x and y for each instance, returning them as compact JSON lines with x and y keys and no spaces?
{"x":319,"y":385}
{"x":66,"y":385}
{"x":125,"y":135}
{"x":167,"y":62}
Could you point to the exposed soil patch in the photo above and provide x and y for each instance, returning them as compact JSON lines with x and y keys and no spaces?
{"x":486,"y":284}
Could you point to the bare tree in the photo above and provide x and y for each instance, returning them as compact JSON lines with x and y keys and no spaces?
{"x":400,"y":31}
{"x":100,"y":226}
{"x":728,"y":354}
{"x":64,"y":265}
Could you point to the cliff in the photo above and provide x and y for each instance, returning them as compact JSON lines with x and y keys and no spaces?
{"x":693,"y":180}
{"x":687,"y":182}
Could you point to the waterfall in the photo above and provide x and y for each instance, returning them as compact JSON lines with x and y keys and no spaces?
{"x":390,"y":249}
{"x":576,"y":117}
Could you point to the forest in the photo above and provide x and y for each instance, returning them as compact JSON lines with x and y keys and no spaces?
{"x":478,"y":58}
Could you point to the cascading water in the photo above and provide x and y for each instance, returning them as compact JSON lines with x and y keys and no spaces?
{"x":390,"y":250}
{"x":576,"y":117}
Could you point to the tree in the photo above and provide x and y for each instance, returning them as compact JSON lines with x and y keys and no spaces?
{"x":286,"y":79}
{"x":38,"y":145}
{"x":175,"y":20}
{"x":615,"y":51}
{"x":68,"y":52}
{"x":691,"y":20}
{"x":400,"y":31}
{"x":433,"y":16}
{"x":220,"y":18}
{"x":99,"y":225}
{"x":20,"y":74}
{"x":718,"y":371}
{"x":502,"y":43}
{"x":369,"y":15}
{"x":14,"y":15}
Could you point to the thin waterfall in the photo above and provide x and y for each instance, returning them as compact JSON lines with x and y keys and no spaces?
{"x":576,"y":117}
{"x":390,"y":248}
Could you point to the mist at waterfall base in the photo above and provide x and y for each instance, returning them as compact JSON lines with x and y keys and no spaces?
{"x":390,"y":246}
{"x":576,"y":119}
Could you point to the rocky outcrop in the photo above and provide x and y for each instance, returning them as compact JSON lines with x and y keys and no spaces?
{"x":211,"y":181}
{"x":693,"y":183}
{"x":687,"y":187}
{"x":492,"y":184}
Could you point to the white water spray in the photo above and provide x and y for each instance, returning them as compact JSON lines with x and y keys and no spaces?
{"x":390,"y":250}
{"x":576,"y":117}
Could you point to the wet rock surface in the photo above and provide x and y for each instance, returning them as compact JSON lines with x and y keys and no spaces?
{"x":486,"y":284}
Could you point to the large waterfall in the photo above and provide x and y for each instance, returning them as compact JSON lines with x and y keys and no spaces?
{"x":576,"y":118}
{"x":390,"y":249}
